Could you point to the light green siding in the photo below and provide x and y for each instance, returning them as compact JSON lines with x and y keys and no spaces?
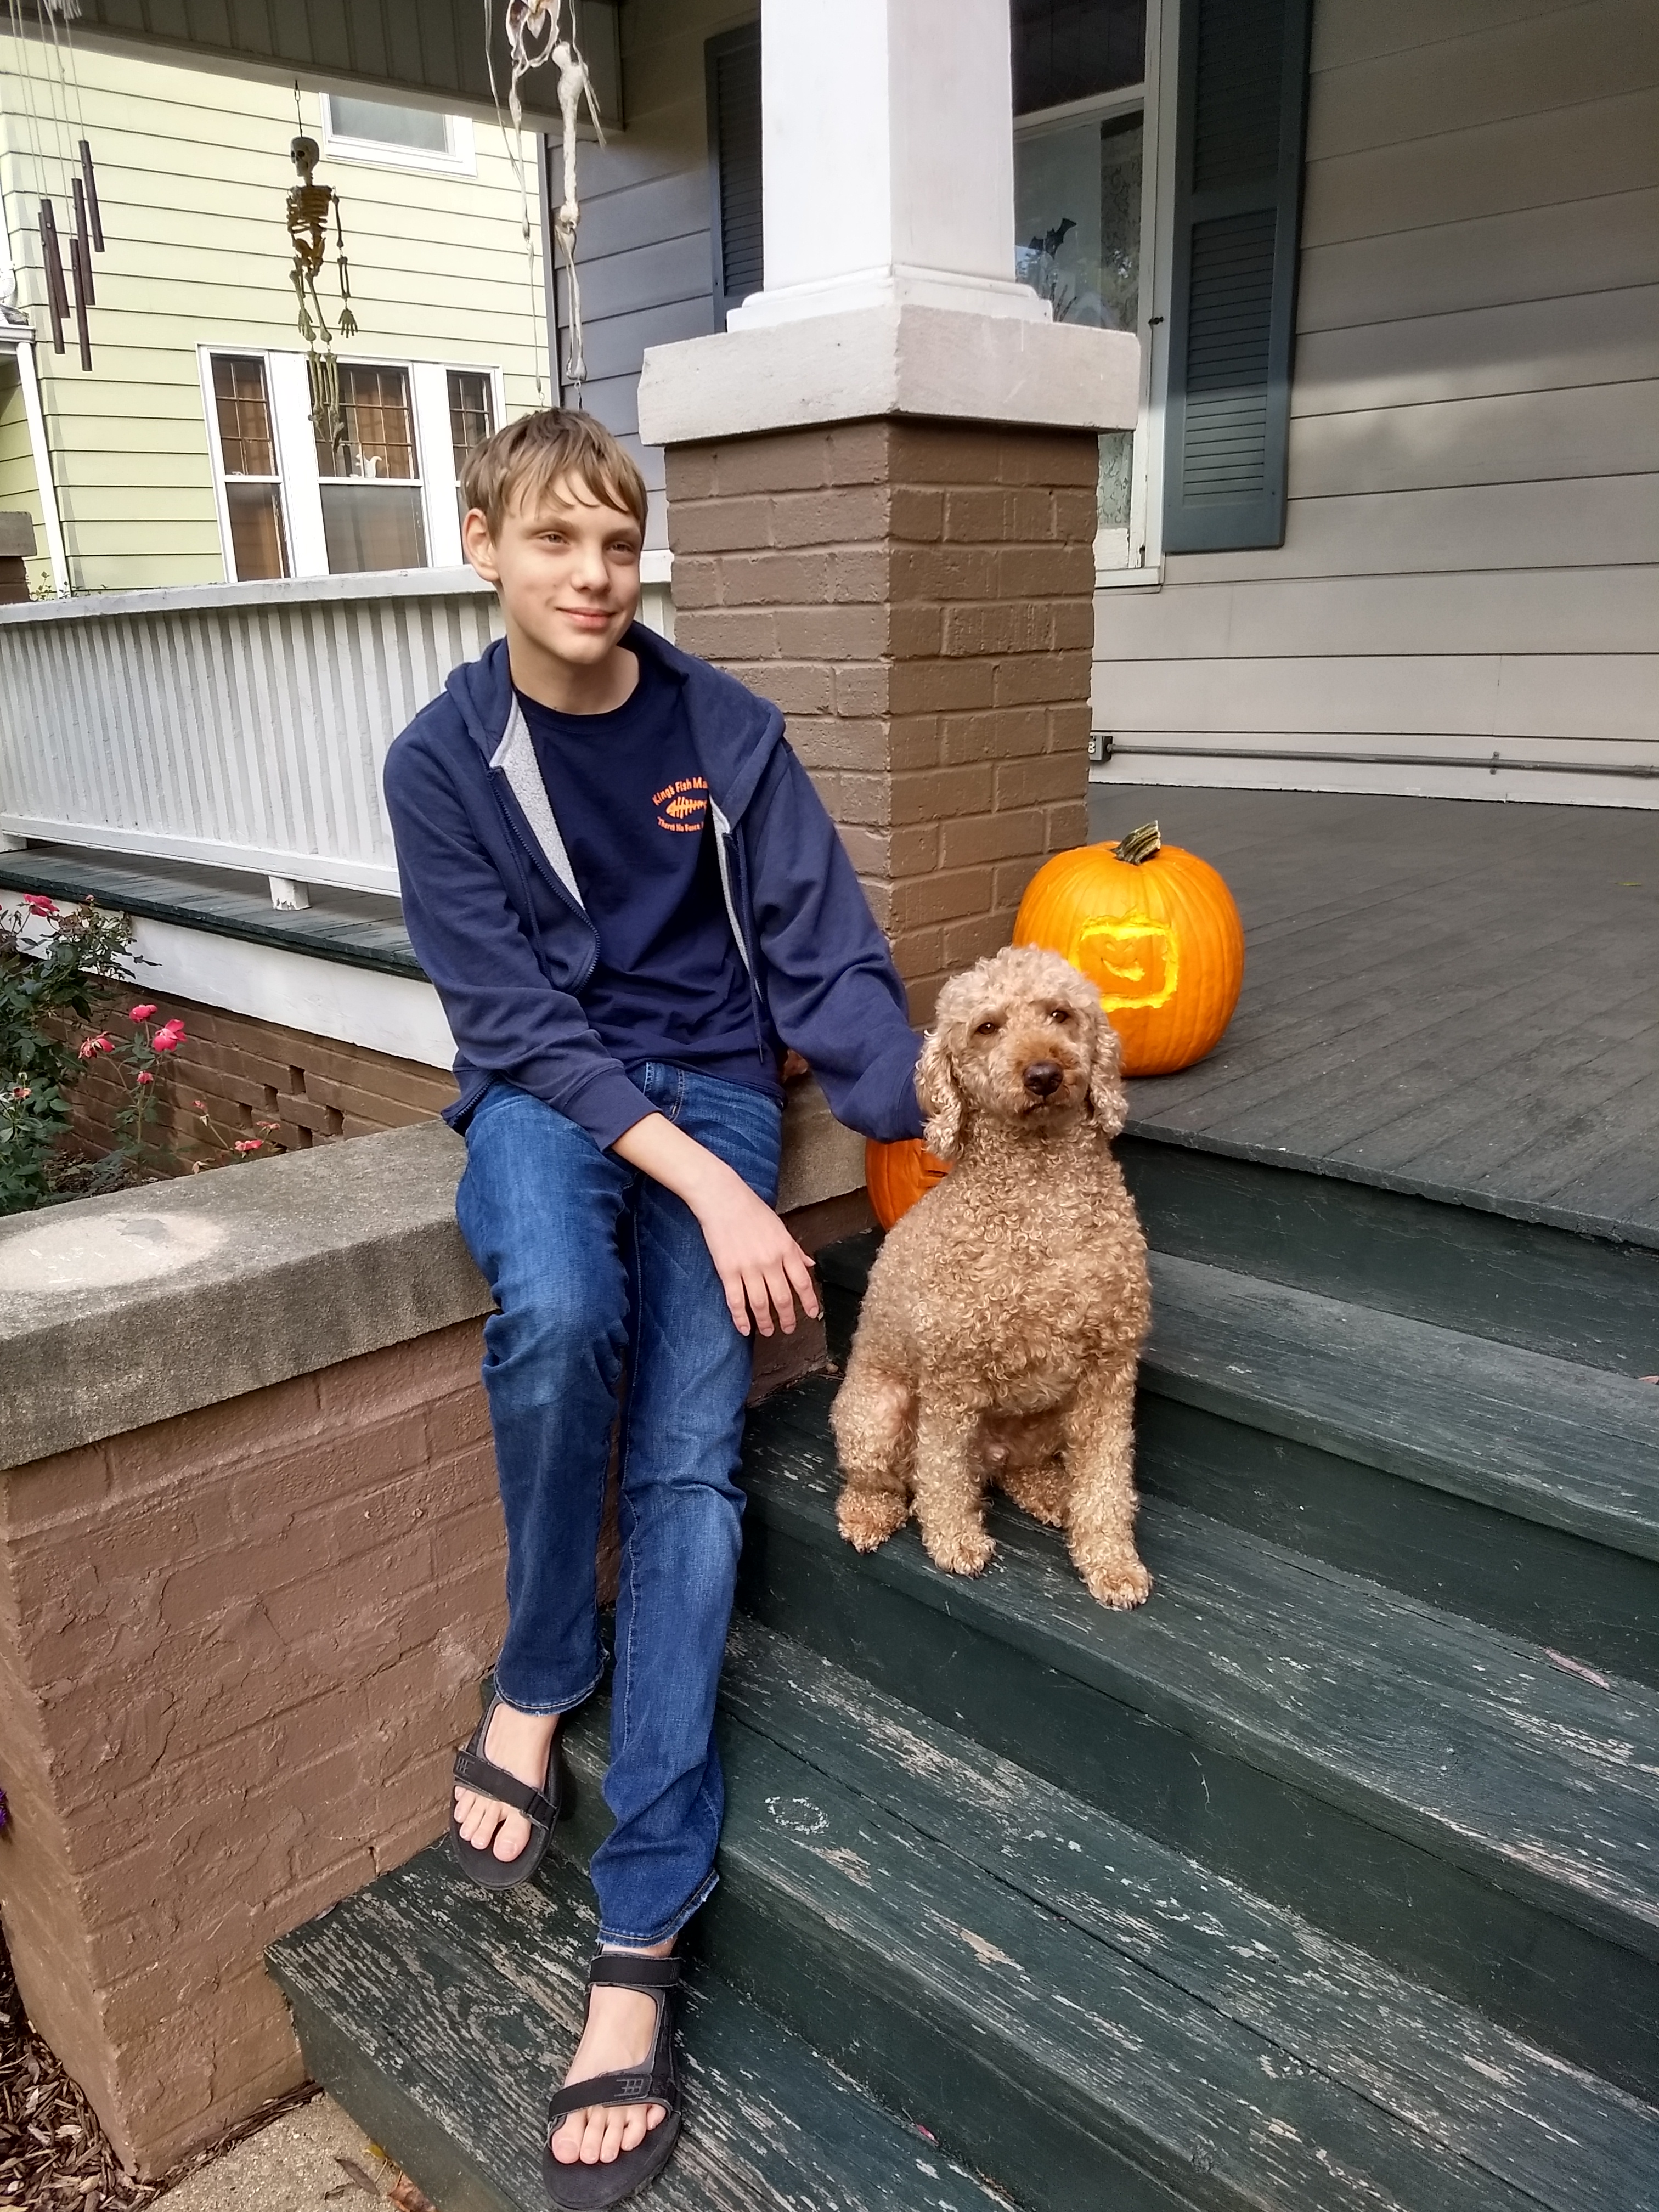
{"x":192,"y":170}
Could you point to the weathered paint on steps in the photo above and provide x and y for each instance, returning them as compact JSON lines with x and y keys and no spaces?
{"x":1409,"y":1780}
{"x":439,"y":2017}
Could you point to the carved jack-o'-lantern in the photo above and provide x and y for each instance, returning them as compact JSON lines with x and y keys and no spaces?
{"x":1156,"y":930}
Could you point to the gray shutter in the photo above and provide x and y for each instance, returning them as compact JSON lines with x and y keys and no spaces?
{"x":1241,"y":104}
{"x":733,"y":64}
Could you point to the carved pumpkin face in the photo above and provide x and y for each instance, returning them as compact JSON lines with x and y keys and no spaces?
{"x":1155,"y":930}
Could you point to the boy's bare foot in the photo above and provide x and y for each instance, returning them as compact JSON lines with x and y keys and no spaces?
{"x":521,"y":1742}
{"x":622,"y":2027}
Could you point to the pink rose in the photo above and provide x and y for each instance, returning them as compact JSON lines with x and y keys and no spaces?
{"x":37,"y":904}
{"x":145,"y":1077}
{"x":250,"y":1144}
{"x":140,"y":1014}
{"x":94,"y":1046}
{"x":21,"y":1090}
{"x":169,"y":1037}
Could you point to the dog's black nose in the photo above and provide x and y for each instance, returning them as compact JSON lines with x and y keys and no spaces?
{"x":1044,"y":1078}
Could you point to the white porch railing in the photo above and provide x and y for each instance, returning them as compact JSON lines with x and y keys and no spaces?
{"x":239,"y":726}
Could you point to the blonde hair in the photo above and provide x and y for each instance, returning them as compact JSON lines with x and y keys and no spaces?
{"x":523,"y":461}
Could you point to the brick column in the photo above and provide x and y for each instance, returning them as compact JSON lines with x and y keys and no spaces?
{"x":917,"y":596}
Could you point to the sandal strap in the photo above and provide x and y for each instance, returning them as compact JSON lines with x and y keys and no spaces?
{"x":634,"y":1970}
{"x":474,"y":1771}
{"x":638,"y":2088}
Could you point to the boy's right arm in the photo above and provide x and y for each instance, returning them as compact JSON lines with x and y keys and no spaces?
{"x":505,"y":1015}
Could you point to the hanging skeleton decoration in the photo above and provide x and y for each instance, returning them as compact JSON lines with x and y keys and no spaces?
{"x":309,"y":207}
{"x":533,"y":28}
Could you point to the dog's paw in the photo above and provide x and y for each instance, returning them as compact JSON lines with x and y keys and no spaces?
{"x":968,"y":1554}
{"x":1122,"y":1588}
{"x":867,"y":1521}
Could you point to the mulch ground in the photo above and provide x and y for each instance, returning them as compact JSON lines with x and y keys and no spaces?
{"x":54,"y":2156}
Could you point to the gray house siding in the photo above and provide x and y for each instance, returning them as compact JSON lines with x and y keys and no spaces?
{"x":645,"y":253}
{"x":1471,"y":560}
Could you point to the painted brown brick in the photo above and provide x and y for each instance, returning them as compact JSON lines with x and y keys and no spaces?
{"x":237,"y":1649}
{"x":247,"y":1071}
{"x":917,"y":597}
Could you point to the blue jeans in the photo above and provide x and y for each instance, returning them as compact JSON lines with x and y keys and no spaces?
{"x":594,"y":1266}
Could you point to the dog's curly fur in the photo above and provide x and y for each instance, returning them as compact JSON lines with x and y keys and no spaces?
{"x":1006,"y":1310}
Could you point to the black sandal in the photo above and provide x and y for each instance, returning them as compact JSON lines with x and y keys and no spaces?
{"x":578,"y":2188}
{"x":540,"y":1807}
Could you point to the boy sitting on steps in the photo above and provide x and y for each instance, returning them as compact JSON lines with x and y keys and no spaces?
{"x":630,"y":901}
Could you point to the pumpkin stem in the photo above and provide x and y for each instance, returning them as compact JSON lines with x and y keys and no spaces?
{"x":1139,"y":845}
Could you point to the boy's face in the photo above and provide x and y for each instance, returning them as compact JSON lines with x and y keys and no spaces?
{"x":567,"y":566}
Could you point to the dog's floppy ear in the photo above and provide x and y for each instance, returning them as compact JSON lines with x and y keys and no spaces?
{"x":940,"y":1094}
{"x":1108,"y":1100}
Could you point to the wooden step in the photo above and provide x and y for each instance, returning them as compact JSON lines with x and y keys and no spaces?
{"x":1080,"y":2013}
{"x":1577,"y":1294}
{"x":1416,"y":1783}
{"x":1484,"y":1478}
{"x":440,"y":2016}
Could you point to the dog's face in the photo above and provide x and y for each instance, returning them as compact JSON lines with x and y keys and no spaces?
{"x":1020,"y":1036}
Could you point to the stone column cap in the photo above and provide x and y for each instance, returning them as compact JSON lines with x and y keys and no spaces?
{"x":899,"y":358}
{"x":118,"y":1311}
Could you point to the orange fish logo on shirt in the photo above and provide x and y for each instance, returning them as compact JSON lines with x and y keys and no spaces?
{"x":682,"y":804}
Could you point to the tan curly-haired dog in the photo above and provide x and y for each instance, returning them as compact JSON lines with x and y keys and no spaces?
{"x":1006,"y":1310}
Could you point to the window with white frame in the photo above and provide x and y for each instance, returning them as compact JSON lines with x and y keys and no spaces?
{"x":1084,"y":190}
{"x":250,"y":480}
{"x":396,"y":137}
{"x":378,"y":491}
{"x":370,"y":478}
{"x":471,"y":419}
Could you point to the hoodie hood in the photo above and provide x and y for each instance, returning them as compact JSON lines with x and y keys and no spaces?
{"x":734,"y":732}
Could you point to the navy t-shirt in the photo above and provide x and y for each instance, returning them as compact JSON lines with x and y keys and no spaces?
{"x":632,"y":809}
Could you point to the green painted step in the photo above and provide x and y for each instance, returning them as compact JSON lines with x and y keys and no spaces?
{"x":439,"y":2016}
{"x":1413,"y":1782}
{"x":1574,"y":1292}
{"x":1480,"y":1476}
{"x":1065,"y":2004}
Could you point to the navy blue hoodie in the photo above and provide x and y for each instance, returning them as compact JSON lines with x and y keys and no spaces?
{"x":496,"y":919}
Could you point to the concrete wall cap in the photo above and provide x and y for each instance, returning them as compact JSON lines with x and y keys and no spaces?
{"x":911,"y":360}
{"x":118,"y":1311}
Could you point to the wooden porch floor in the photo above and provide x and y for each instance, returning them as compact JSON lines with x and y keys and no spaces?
{"x":1453,"y":998}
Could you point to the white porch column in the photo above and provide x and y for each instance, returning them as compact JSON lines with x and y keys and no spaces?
{"x":888,"y":159}
{"x":887,"y":139}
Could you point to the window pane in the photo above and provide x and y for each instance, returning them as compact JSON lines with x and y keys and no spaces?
{"x":471,"y":412}
{"x":239,"y":393}
{"x":1071,"y":49}
{"x":379,"y":430}
{"x":1076,"y":200}
{"x":1077,"y":216}
{"x":421,"y":128}
{"x":371,"y":525}
{"x":256,"y":545}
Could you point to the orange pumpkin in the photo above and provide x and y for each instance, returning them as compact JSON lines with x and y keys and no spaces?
{"x":1156,"y":930}
{"x":897,"y":1174}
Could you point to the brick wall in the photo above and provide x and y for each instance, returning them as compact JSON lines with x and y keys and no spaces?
{"x":919,"y":599}
{"x":247,"y":1071}
{"x":237,"y":1651}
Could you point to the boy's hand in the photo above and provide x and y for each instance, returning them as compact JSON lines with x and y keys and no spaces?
{"x":762,"y":1269}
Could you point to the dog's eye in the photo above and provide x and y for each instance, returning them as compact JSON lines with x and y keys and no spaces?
{"x":1060,"y":1013}
{"x":987,"y":1029}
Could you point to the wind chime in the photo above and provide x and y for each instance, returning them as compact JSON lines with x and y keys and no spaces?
{"x":535,"y":35}
{"x":79,"y":292}
{"x":309,"y":205}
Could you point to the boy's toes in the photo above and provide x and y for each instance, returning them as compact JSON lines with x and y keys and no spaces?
{"x":512,"y":1836}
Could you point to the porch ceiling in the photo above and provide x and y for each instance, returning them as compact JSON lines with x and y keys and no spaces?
{"x":423,"y":52}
